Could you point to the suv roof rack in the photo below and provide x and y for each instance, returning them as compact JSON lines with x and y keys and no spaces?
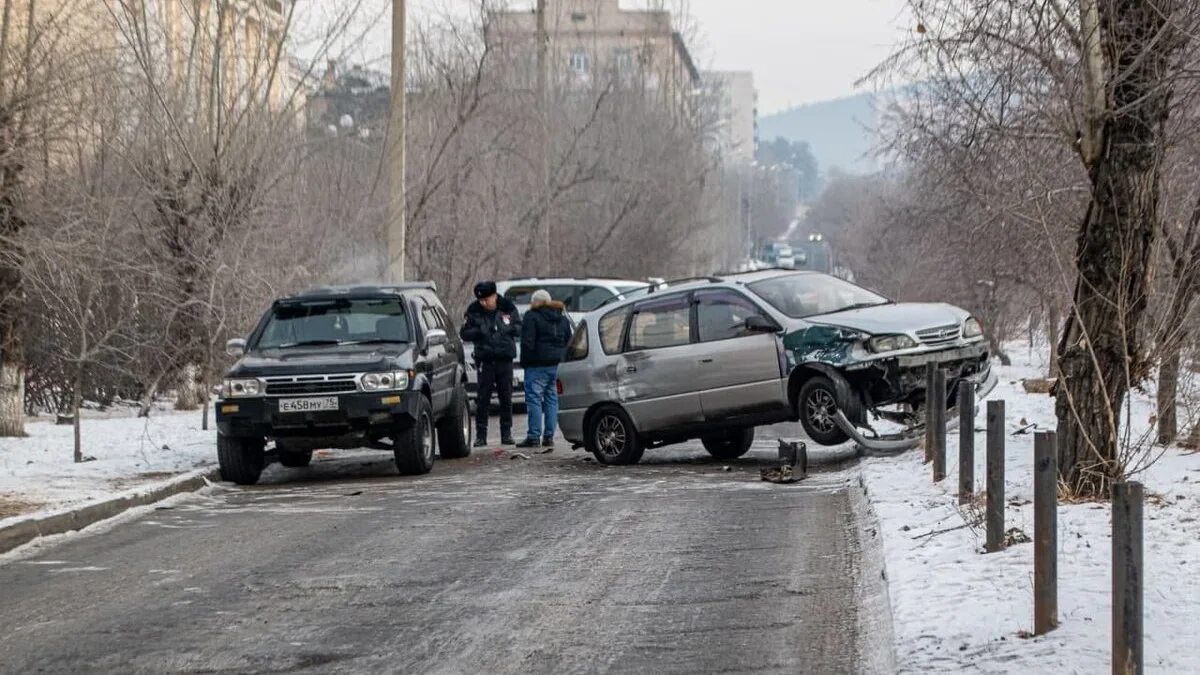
{"x":350,"y":289}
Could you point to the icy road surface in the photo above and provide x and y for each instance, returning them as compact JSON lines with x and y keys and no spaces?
{"x":547,"y":565}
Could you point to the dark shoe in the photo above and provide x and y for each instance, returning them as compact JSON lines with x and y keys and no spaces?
{"x":480,"y":442}
{"x":528,"y":443}
{"x":547,"y":442}
{"x":507,"y":441}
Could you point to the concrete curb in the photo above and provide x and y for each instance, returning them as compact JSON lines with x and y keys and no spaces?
{"x":76,"y":519}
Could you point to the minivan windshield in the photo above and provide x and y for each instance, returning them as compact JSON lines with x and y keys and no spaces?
{"x":805,"y":295}
{"x":335,"y":322}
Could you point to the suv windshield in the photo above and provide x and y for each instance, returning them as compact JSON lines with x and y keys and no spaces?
{"x":804,"y":295}
{"x":335,"y":322}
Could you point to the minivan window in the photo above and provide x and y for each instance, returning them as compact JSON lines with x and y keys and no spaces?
{"x":721,"y":315}
{"x":807,"y":294}
{"x":577,"y":348}
{"x":611,"y":326}
{"x":659,"y":323}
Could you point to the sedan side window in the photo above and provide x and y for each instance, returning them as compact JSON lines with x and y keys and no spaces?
{"x":721,"y":315}
{"x":660,"y":323}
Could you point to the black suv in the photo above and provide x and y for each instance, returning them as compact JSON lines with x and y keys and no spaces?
{"x":367,"y":366}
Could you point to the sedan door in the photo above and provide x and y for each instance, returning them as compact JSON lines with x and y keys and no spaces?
{"x":656,"y":372}
{"x":738,"y":371}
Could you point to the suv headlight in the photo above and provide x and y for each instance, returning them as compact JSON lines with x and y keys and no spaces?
{"x":972,"y":328}
{"x":890,"y":343}
{"x":240,"y":388}
{"x":389,"y":381}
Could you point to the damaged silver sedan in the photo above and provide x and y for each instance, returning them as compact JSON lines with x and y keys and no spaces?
{"x":716,"y":357}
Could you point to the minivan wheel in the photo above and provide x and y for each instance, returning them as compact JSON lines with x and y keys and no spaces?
{"x":241,"y":459}
{"x":817,"y":407}
{"x":414,"y":446}
{"x":612,"y":439}
{"x":454,"y":431}
{"x":729,"y":445}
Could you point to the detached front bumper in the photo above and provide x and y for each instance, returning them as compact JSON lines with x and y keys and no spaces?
{"x":359,"y":415}
{"x":984,"y":379}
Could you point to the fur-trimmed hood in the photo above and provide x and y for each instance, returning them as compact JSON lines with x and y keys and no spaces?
{"x":553,"y":304}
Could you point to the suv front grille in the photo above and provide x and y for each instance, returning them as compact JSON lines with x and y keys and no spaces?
{"x":940,"y":335}
{"x":303,"y":385}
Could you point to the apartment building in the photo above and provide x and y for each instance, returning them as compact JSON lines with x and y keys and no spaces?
{"x":736,"y":102}
{"x":587,"y":40}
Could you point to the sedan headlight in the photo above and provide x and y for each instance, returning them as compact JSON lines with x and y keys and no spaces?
{"x":890,"y":343}
{"x":972,"y":328}
{"x":389,"y":381}
{"x":240,"y":388}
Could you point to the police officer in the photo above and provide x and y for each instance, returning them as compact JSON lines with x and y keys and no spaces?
{"x":493,"y":325}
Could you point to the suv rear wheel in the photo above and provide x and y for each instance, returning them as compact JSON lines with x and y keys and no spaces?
{"x":612,"y":439}
{"x":414,"y":446}
{"x":454,"y":431}
{"x":729,"y":445}
{"x":817,"y":405}
{"x":241,"y":459}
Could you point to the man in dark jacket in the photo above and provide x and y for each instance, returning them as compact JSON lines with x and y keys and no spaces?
{"x":493,"y":325}
{"x":544,"y":339}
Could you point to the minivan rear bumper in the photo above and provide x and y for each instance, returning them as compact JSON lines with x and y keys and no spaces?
{"x":570,"y":422}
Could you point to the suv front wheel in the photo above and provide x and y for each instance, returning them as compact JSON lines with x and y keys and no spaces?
{"x":729,"y":445}
{"x":414,"y":446}
{"x":241,"y":459}
{"x":612,"y":439}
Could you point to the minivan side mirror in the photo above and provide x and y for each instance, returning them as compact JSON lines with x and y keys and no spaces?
{"x":758,"y":324}
{"x":436,"y":337}
{"x":236,"y":348}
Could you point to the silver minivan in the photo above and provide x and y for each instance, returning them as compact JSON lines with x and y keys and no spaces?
{"x":711,"y":359}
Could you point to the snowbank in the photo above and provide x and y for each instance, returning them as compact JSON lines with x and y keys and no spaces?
{"x":37,"y":473}
{"x":957,"y":609}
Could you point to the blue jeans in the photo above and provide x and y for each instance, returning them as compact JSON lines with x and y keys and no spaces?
{"x":541,"y":400}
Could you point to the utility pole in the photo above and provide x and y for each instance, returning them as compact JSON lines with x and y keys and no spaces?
{"x":396,"y":232}
{"x":543,"y":46}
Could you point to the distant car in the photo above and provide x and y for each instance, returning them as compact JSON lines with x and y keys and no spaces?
{"x":580,"y":295}
{"x":366,"y":366}
{"x":713,"y":359}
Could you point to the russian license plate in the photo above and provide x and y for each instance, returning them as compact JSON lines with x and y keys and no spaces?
{"x":297,"y":405}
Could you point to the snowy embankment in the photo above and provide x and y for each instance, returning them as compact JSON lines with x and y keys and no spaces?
{"x":38,"y":474}
{"x":957,"y":609}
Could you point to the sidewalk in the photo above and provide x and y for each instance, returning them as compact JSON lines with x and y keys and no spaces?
{"x":38,"y":475}
{"x":957,"y":609}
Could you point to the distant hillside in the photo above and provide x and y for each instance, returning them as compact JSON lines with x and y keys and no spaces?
{"x":841,"y":132}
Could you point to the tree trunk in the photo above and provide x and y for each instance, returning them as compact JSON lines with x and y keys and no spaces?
{"x":76,"y":404}
{"x":1054,"y":317}
{"x":12,"y":388}
{"x":1168,"y":388}
{"x":1100,"y":356}
{"x":186,"y":398}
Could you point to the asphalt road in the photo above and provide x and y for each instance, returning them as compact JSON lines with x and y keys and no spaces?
{"x":487,"y":565}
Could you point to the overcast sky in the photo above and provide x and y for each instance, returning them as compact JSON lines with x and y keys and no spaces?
{"x":800,"y":51}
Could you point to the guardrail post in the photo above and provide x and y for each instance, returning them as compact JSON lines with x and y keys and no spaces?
{"x":929,"y":419}
{"x":939,"y":426}
{"x":995,"y":476}
{"x":1127,"y":579}
{"x":1045,"y":533}
{"x":966,"y":441}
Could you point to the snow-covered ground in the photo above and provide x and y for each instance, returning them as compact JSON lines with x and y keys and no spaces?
{"x":38,"y":474}
{"x":957,"y":609}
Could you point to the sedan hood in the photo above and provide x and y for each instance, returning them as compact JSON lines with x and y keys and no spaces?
{"x":323,"y":360}
{"x":903,"y":317}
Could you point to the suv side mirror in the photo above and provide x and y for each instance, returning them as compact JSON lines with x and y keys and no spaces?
{"x":236,"y":347}
{"x":758,"y":324}
{"x":436,"y":337}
